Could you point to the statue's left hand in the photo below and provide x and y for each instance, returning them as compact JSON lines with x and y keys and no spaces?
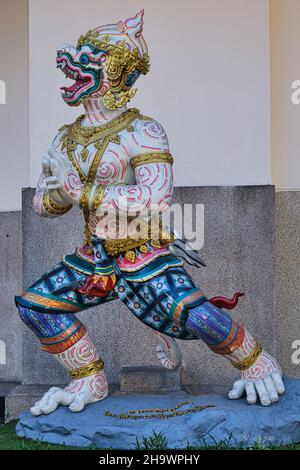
{"x":64,"y":177}
{"x":263,"y":379}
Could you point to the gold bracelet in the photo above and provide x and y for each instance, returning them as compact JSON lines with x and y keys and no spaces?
{"x":52,"y":207}
{"x":85,"y":371}
{"x":250,"y":360}
{"x":98,"y":196}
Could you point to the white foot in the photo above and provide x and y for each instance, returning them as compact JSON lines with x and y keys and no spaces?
{"x":76,"y":395}
{"x":262,"y":382}
{"x":168,"y":352}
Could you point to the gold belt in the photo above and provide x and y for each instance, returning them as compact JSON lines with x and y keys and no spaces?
{"x":119,"y":245}
{"x":127,"y":245}
{"x":114,"y":247}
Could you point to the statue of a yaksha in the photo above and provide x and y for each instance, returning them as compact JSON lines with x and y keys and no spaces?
{"x":113,"y":161}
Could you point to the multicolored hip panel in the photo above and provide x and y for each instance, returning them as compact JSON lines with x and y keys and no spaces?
{"x":155,"y":288}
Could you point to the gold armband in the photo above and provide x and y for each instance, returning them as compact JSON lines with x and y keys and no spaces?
{"x":144,"y":158}
{"x":52,"y":207}
{"x":250,"y":360}
{"x":85,"y":371}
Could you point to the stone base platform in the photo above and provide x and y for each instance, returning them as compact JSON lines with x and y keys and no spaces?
{"x":235,"y":423}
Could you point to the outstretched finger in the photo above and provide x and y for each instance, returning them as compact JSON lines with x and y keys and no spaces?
{"x":262,"y":393}
{"x":251,"y":393}
{"x":237,"y":390}
{"x":277,"y":379}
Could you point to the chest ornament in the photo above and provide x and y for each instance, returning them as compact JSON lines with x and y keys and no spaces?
{"x":88,"y":135}
{"x":75,"y":134}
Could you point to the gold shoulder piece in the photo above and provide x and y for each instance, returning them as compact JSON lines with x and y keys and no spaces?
{"x":144,"y":158}
{"x":64,"y":127}
{"x":145,"y":118}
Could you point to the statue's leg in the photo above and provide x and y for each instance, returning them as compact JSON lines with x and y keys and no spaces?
{"x":171,"y":303}
{"x":47,"y":309}
{"x":260,"y":372}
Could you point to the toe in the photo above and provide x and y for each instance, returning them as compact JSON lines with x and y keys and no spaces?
{"x":277,"y":379}
{"x":78,"y":403}
{"x":271,"y":389}
{"x":237,"y":390}
{"x":53,"y":402}
{"x":251,"y":393}
{"x":36,"y":410}
{"x":262,"y":393}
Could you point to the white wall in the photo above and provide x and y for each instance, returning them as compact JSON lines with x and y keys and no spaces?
{"x":285,"y":68}
{"x":209,"y":82}
{"x":14,"y":133}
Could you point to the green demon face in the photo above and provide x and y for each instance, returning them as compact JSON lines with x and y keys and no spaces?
{"x":84,"y":65}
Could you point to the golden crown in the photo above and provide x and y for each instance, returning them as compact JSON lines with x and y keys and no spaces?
{"x":130,"y":58}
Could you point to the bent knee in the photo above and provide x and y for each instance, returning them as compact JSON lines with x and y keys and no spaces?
{"x":30,"y":317}
{"x":21,"y":306}
{"x":25,"y":313}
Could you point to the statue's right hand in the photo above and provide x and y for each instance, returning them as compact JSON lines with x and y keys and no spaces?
{"x":46,"y":166}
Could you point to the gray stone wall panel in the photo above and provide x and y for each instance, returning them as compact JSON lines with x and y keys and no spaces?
{"x":10,"y":282}
{"x":288,"y":277}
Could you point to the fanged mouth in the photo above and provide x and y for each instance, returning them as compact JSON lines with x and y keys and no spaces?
{"x":80,"y":82}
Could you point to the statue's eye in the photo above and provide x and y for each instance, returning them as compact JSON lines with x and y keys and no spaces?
{"x":84,"y":59}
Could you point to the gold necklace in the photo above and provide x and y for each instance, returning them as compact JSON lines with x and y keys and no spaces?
{"x":99,"y":135}
{"x":87,"y":135}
